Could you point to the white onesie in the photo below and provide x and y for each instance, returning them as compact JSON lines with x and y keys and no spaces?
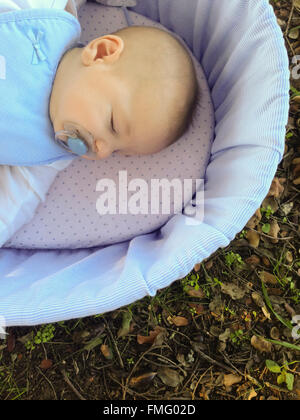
{"x":22,"y":188}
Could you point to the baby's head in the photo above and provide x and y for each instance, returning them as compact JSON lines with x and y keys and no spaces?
{"x":133,"y":91}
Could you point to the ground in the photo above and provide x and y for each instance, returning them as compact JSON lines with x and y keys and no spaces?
{"x":222,"y":332}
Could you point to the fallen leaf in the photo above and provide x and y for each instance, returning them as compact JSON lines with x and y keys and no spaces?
{"x":180,"y":321}
{"x":276,"y":188}
{"x":274,"y":333}
{"x":268,"y":278}
{"x":266,"y":313}
{"x":142,"y":379}
{"x":191,"y":291}
{"x":169,"y":377}
{"x":209,"y":264}
{"x":46,"y":364}
{"x":125,"y":329}
{"x":289,"y":257}
{"x":199,"y":309}
{"x":231,"y":379}
{"x":106,"y":351}
{"x":296,"y":181}
{"x":197,"y":267}
{"x":272,"y":203}
{"x":274,"y":230}
{"x":294,"y":34}
{"x":257,"y":298}
{"x":158,"y":332}
{"x":253,"y":260}
{"x":287,"y":208}
{"x":252,"y":394}
{"x":261,"y":344}
{"x":225,"y":336}
{"x":234,"y":291}
{"x":296,"y":161}
{"x":296,"y":171}
{"x":255,"y":219}
{"x":93,"y":343}
{"x":253,"y":238}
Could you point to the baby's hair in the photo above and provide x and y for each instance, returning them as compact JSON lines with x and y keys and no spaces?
{"x":187,"y":121}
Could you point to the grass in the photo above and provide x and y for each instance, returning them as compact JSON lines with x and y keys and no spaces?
{"x":192,"y":328}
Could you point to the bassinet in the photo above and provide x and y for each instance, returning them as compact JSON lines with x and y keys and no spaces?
{"x":242,"y":52}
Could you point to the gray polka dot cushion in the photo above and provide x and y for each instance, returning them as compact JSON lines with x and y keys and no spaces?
{"x":70,"y":216}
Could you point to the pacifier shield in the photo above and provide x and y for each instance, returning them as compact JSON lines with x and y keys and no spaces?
{"x":77,"y":146}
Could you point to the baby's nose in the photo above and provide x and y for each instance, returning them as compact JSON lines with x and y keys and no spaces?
{"x":103,"y":150}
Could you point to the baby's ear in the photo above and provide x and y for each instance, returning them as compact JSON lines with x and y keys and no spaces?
{"x":106,"y":49}
{"x":126,"y":3}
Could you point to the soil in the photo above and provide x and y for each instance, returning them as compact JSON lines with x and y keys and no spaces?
{"x":222,"y":332}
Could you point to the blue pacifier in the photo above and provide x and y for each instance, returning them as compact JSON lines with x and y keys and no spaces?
{"x":75,"y":139}
{"x":77,"y":146}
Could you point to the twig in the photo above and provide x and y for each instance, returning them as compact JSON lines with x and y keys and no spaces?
{"x":290,"y":18}
{"x":49,"y":382}
{"x":215,"y":362}
{"x":67,"y":380}
{"x":115,"y":345}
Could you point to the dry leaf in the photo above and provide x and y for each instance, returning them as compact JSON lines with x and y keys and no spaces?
{"x":287,"y":208}
{"x":296,"y":161}
{"x":252,"y":394}
{"x":169,"y":377}
{"x":276,"y":189}
{"x":274,"y":230}
{"x":268,"y":278}
{"x":233,"y":291}
{"x":197,"y":267}
{"x":191,"y":291}
{"x":255,"y":219}
{"x":180,"y":321}
{"x":289,"y":257}
{"x":199,"y":309}
{"x":231,"y":379}
{"x":106,"y":351}
{"x":153,"y":335}
{"x":46,"y":364}
{"x":257,"y":298}
{"x":253,"y":238}
{"x":296,"y":171}
{"x":142,"y":379}
{"x":296,"y":181}
{"x":261,"y":344}
{"x":127,"y":318}
{"x":274,"y":333}
{"x":253,"y":260}
{"x":266,"y":313}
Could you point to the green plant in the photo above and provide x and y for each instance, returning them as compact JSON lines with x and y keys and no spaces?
{"x":268,"y":212}
{"x":233,"y":259}
{"x":44,"y":335}
{"x":237,"y":337}
{"x":283,"y":375}
{"x":191,"y":280}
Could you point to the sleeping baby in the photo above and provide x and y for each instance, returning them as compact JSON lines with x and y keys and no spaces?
{"x":133,"y":92}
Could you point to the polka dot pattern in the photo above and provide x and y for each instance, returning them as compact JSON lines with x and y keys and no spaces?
{"x":69,"y":218}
